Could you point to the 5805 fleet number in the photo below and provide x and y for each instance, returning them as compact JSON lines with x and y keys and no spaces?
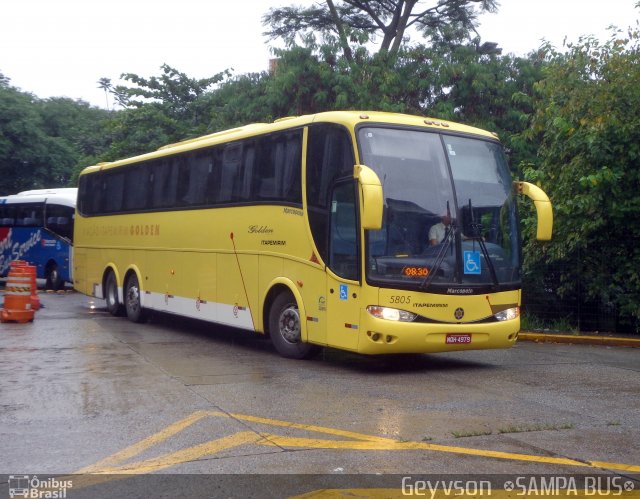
{"x":400,"y":299}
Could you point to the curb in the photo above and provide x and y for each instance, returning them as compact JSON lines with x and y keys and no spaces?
{"x":613,"y":341}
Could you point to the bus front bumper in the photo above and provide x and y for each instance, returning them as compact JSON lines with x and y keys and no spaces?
{"x":378,"y":336}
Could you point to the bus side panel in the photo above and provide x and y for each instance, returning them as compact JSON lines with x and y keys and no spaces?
{"x":80,"y":270}
{"x":311,"y":282}
{"x":36,"y":246}
{"x":238,"y":290}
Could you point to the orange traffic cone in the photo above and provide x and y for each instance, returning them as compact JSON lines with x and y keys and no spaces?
{"x":21,"y":264}
{"x":17,"y":297}
{"x":35,"y":299}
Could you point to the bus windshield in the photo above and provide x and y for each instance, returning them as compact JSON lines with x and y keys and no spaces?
{"x":450,"y":222}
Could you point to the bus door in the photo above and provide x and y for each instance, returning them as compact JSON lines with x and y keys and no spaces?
{"x":343,"y":286}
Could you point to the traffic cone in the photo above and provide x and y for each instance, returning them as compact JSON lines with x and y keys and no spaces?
{"x":21,"y":264}
{"x":17,"y":297}
{"x":35,"y":299}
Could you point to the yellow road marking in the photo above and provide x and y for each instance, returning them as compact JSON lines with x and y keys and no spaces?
{"x":397,"y":446}
{"x":299,"y":426}
{"x":143,"y":445}
{"x":117,"y":463}
{"x":186,"y":455}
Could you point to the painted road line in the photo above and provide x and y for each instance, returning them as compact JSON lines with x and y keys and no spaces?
{"x":118,"y":462}
{"x":138,"y":448}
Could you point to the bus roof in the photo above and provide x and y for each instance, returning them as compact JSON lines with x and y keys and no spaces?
{"x":65,"y":196}
{"x":346,"y":118}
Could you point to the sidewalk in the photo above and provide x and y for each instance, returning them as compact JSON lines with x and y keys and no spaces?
{"x":578,"y":338}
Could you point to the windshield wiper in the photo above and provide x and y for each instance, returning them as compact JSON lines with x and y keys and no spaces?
{"x":476,"y":235}
{"x":446,"y":242}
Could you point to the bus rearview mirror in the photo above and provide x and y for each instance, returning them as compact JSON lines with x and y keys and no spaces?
{"x":371,"y":197}
{"x":543,"y":208}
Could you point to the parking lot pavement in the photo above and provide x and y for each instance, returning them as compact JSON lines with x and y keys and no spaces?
{"x":85,"y":392}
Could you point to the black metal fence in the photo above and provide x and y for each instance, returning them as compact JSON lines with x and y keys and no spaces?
{"x":544,"y":307}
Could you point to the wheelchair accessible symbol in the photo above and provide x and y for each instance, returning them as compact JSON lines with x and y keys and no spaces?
{"x":344,"y":292}
{"x":472,"y":262}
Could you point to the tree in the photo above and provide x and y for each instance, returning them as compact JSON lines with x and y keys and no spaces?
{"x":28,"y":157}
{"x":587,"y":121}
{"x":360,"y":21}
{"x":159,"y":110}
{"x":174,"y":90}
{"x":44,"y":142}
{"x":105,"y":84}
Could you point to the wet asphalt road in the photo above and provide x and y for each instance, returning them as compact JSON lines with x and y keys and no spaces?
{"x":82,"y":391}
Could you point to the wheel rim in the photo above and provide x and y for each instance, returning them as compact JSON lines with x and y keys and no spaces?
{"x":289,"y":324}
{"x":111,"y":292}
{"x":111,"y":296}
{"x":133,"y":296}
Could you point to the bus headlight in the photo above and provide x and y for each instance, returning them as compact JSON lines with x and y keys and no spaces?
{"x":509,"y":314}
{"x":391,"y":314}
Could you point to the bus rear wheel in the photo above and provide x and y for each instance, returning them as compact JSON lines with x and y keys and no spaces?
{"x":285,"y":329}
{"x":133,"y":301}
{"x":114,"y":307}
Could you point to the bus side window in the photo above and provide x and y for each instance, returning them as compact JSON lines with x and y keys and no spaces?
{"x":91,"y":204}
{"x":248,"y":168}
{"x":266,"y":186}
{"x":60,"y":220}
{"x":329,"y":158}
{"x":230,"y":173}
{"x":212,"y":178}
{"x":163,"y":181}
{"x":114,"y":192}
{"x":291,"y":167}
{"x":137,"y":188}
{"x":7,"y":215}
{"x":181,"y":173}
{"x":29,"y":215}
{"x":199,"y":166}
{"x":343,"y":240}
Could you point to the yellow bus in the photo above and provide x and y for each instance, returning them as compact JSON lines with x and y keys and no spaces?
{"x":371,"y":232}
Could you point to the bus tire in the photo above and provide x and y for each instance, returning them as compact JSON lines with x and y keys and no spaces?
{"x":114,"y":307}
{"x":53,"y":277}
{"x":285,"y":329}
{"x":133,"y":301}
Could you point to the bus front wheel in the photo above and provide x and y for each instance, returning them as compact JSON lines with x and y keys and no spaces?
{"x":53,"y":277}
{"x":132,"y":300}
{"x":285,"y":329}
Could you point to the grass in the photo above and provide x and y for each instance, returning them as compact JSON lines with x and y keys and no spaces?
{"x":472,"y":433}
{"x":530,"y":322}
{"x":536,"y":427}
{"x":515,"y":429}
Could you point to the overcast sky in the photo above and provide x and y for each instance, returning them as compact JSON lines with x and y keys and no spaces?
{"x":62,"y":47}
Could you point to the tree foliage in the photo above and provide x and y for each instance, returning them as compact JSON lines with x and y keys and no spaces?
{"x":361,"y":21}
{"x":157,"y":110}
{"x":587,"y":125}
{"x":42,"y":141}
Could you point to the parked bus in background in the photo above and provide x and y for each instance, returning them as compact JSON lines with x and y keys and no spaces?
{"x":315,"y":231}
{"x":37,"y":226}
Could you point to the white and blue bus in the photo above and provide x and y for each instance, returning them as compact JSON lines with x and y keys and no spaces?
{"x":37,"y":226}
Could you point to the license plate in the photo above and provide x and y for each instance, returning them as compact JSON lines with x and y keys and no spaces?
{"x":458,"y":339}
